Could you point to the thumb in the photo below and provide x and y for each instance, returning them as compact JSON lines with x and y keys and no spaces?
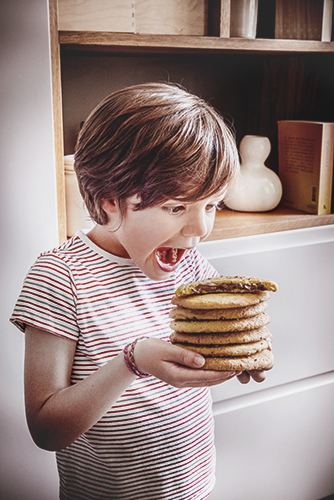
{"x":186,"y":357}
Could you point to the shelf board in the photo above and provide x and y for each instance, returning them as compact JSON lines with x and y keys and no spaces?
{"x":231,"y":224}
{"x":130,"y":42}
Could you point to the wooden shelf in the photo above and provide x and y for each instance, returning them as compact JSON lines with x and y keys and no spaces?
{"x":129,"y":42}
{"x":230,"y":224}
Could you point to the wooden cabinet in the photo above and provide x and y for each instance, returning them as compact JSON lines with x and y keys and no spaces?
{"x":286,"y":423}
{"x":253,"y":83}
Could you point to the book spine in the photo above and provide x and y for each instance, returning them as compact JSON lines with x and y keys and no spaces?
{"x":327,"y":20}
{"x":326,"y":169}
{"x":301,"y":19}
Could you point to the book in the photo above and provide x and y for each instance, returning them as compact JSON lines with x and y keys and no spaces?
{"x":243,"y":18}
{"x":304,"y":19}
{"x":96,"y":15}
{"x":171,"y":17}
{"x":305,"y":158}
{"x":186,"y":17}
{"x":327,"y":21}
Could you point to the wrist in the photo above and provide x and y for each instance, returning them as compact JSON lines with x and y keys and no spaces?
{"x":130,"y":361}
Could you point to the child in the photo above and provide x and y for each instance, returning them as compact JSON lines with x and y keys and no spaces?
{"x":128,"y":413}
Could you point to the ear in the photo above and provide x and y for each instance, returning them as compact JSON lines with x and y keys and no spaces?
{"x":109,"y":206}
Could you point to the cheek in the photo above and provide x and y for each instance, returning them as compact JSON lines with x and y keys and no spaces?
{"x":210,"y":220}
{"x":144,"y":237}
{"x":151,"y":227}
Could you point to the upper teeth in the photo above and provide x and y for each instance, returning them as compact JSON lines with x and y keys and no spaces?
{"x":174,"y":255}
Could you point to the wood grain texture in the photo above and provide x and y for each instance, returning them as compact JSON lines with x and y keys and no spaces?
{"x":173,"y":17}
{"x":294,"y":69}
{"x":97,"y":15}
{"x":299,"y":19}
{"x":184,"y":43}
{"x":230,"y":224}
{"x":57,"y":120}
{"x":134,"y":16}
{"x":225,"y":18}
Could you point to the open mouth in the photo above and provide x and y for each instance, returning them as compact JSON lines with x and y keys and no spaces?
{"x":169,"y":258}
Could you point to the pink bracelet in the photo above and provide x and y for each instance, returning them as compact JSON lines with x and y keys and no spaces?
{"x":130,"y":360}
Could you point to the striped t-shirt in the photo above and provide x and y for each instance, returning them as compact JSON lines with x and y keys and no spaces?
{"x":156,"y":442}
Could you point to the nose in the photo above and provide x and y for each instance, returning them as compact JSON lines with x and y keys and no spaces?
{"x":196,"y":225}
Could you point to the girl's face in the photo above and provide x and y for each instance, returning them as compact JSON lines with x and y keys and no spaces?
{"x":156,"y":238}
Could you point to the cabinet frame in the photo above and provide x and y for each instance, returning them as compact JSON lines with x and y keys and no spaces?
{"x":228,"y":223}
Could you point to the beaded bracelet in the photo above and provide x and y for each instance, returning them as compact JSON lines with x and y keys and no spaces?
{"x":130,"y":360}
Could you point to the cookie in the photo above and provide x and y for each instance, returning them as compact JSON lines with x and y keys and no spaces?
{"x":218,"y":314}
{"x":227,"y":350}
{"x":227,"y":284}
{"x":258,"y":361}
{"x":220,"y":338}
{"x":220,"y":300}
{"x":224,"y":319}
{"x":233,"y":325}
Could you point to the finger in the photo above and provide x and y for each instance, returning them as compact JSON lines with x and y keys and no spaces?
{"x":258,"y":375}
{"x":186,"y":357}
{"x":208,"y":378}
{"x":269,"y":341}
{"x":244,"y":378}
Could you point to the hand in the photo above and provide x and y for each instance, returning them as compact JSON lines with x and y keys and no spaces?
{"x":176,"y":366}
{"x":257,"y":375}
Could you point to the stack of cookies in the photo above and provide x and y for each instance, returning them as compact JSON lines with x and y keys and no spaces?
{"x":224,"y":320}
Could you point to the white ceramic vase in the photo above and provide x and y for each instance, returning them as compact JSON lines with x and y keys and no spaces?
{"x":257,"y":188}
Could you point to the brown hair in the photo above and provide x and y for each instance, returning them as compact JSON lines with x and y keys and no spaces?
{"x":156,"y":141}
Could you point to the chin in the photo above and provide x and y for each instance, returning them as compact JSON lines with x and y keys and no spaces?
{"x":158,"y":276}
{"x":157,"y":271}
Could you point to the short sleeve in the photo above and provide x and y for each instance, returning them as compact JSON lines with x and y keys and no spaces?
{"x":48,"y":298}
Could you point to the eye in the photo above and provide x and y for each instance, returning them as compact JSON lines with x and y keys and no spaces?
{"x":173,"y":209}
{"x":211,"y":208}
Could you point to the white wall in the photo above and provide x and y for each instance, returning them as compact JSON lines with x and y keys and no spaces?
{"x":28,"y":226}
{"x":275,"y":440}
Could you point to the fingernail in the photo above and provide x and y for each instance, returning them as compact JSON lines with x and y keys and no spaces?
{"x":199,"y":361}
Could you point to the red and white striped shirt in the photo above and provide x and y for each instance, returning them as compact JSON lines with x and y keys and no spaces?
{"x":156,"y":442}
